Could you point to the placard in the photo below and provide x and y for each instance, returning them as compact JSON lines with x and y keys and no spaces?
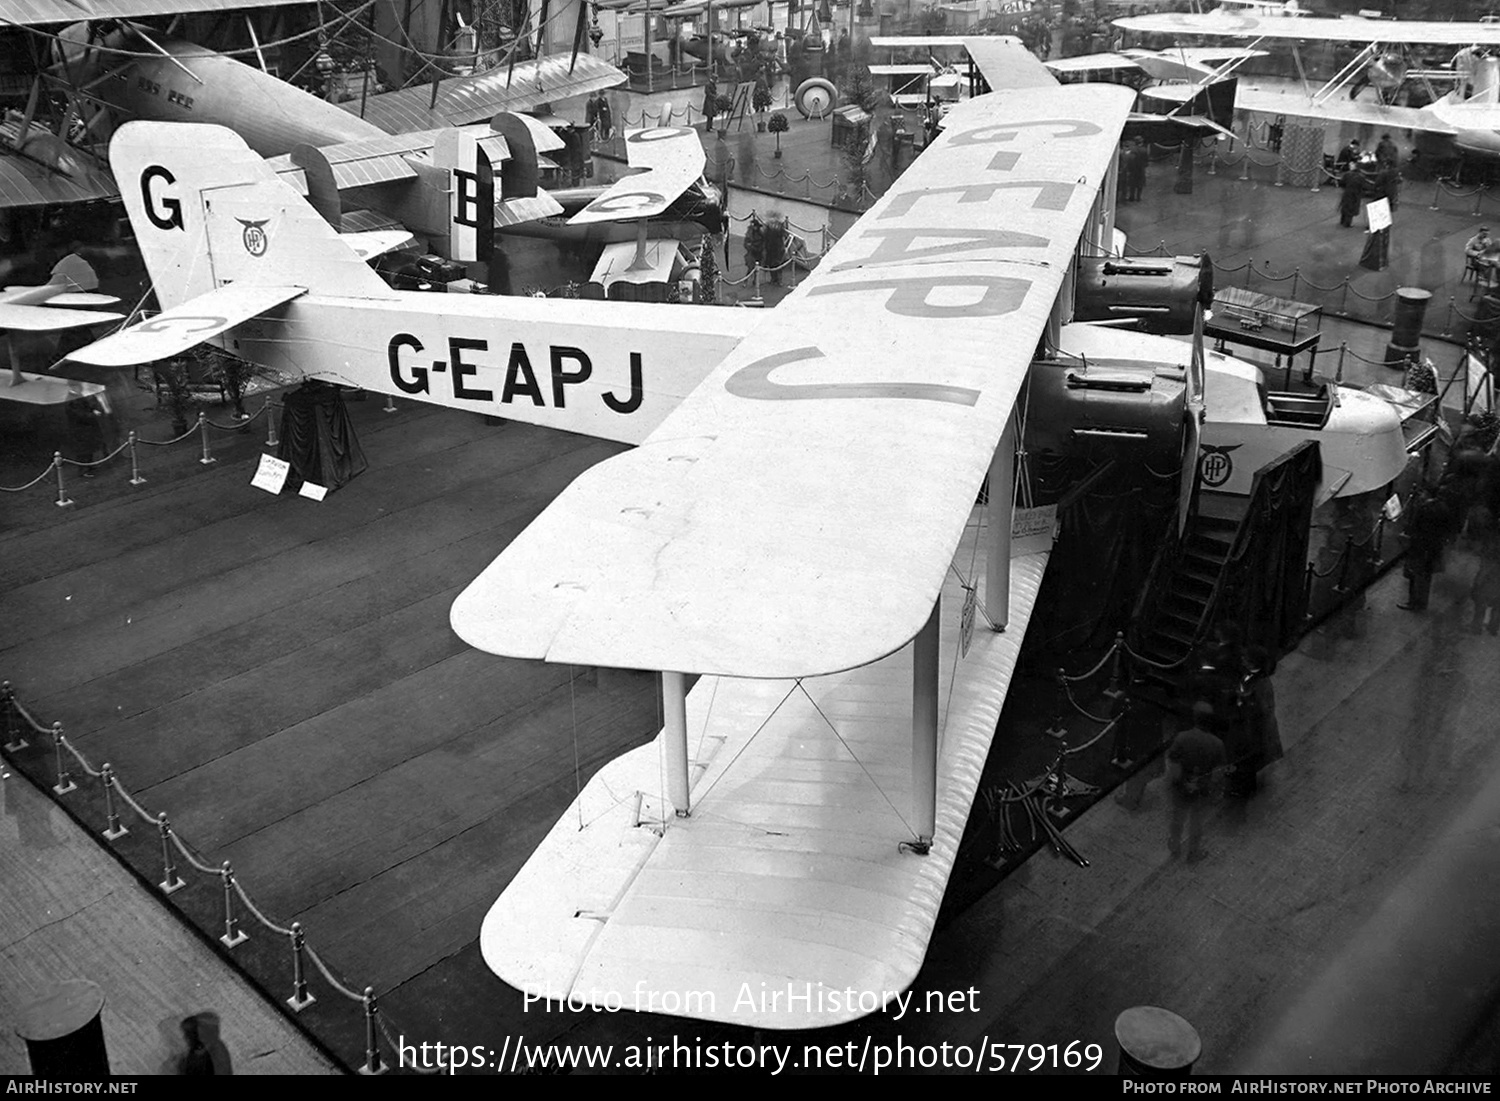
{"x":1032,"y":529}
{"x":1379,"y":213}
{"x":271,"y":474}
{"x":313,"y":491}
{"x":1392,"y":508}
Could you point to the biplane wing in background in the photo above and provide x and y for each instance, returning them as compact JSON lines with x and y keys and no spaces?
{"x":1471,"y":120}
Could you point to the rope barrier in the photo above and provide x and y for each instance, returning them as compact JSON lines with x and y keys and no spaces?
{"x":171,"y":882}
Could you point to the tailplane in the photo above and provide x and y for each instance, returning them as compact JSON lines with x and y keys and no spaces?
{"x":208,"y":211}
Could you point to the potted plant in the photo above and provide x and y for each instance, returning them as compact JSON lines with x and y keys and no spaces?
{"x":778,"y":126}
{"x":230,"y":372}
{"x":174,"y":390}
{"x":761,"y":101}
{"x":722,"y":106}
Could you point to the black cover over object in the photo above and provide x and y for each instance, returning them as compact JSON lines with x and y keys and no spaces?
{"x":317,"y":437}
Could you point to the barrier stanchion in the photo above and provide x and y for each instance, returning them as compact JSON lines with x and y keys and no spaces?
{"x":115,"y":829}
{"x":373,"y":1064}
{"x":1436,"y":187}
{"x":135,"y":463}
{"x":1338,"y":372}
{"x":171,"y":882}
{"x":1115,"y":689}
{"x":1296,"y":278}
{"x":271,"y":440}
{"x":233,"y":934}
{"x":65,"y":782}
{"x":14,"y":742}
{"x":301,"y":997}
{"x":1448,"y":321}
{"x":1058,"y":727}
{"x":390,"y":404}
{"x":63,"y":500}
{"x":1344,"y":299}
{"x":203,"y":433}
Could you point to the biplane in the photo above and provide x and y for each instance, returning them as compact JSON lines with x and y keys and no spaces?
{"x":66,"y":301}
{"x":793,"y":543}
{"x":1468,"y":112}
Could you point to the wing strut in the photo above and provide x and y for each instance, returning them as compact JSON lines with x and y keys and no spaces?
{"x":674,"y":712}
{"x":924,"y":730}
{"x":1002,"y":503}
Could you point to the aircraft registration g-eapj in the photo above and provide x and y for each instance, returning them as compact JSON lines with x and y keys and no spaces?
{"x":797,"y":513}
{"x":1469,"y":114}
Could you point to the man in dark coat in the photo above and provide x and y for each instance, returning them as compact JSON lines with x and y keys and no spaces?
{"x":1429,"y":524}
{"x":1194,"y":760}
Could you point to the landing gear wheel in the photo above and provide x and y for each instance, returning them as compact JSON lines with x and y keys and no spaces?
{"x":815,"y":97}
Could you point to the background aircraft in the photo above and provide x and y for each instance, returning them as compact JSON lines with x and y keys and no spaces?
{"x":1469,"y":115}
{"x":61,"y":304}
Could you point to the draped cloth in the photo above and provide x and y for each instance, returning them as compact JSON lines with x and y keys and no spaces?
{"x":317,"y":437}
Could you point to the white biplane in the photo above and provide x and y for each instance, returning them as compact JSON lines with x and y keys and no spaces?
{"x":66,"y":301}
{"x":1468,"y":113}
{"x":796,"y":530}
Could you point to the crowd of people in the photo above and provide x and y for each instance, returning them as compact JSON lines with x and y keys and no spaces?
{"x":1464,"y":503}
{"x":1363,"y":175}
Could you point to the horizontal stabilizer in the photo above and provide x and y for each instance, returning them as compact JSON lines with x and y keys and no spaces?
{"x":673,"y":159}
{"x":44,"y":319}
{"x":176,"y":330}
{"x":367,"y":246}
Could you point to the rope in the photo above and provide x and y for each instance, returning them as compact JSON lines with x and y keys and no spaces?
{"x":21,"y":489}
{"x":1068,"y":691}
{"x":146,"y":816}
{"x":168,"y":443}
{"x":188,"y":856}
{"x":38,"y":727}
{"x":1110,"y":725}
{"x":79,"y":757}
{"x":327,"y":974}
{"x":1100,"y":663}
{"x":260,"y":917}
{"x":1154,"y":664}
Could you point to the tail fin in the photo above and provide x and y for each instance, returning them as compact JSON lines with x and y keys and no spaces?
{"x":208,"y":211}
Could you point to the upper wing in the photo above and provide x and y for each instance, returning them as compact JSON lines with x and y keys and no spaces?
{"x":46,"y":171}
{"x":180,"y":328}
{"x":468,"y":99}
{"x":25,"y":13}
{"x":673,"y":158}
{"x":797,"y":513}
{"x":1231,"y":25}
{"x":1005,"y":63}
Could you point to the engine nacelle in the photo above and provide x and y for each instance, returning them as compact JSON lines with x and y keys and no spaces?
{"x":1162,"y":295}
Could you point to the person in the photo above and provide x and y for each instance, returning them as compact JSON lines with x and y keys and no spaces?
{"x":85,"y":419}
{"x":710,"y":104}
{"x":591,"y":113}
{"x":1427,"y":529}
{"x":1353,"y":192}
{"x":1347,"y":158}
{"x":775,"y":247}
{"x":1387,"y":153}
{"x":1194,"y":760}
{"x":1259,"y":734}
{"x":1139,"y":161}
{"x":604,"y":117}
{"x":755,"y":242}
{"x":1479,"y":244}
{"x":1485,"y":590}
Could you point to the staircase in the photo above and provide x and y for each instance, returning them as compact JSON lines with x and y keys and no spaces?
{"x":1177,"y":605}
